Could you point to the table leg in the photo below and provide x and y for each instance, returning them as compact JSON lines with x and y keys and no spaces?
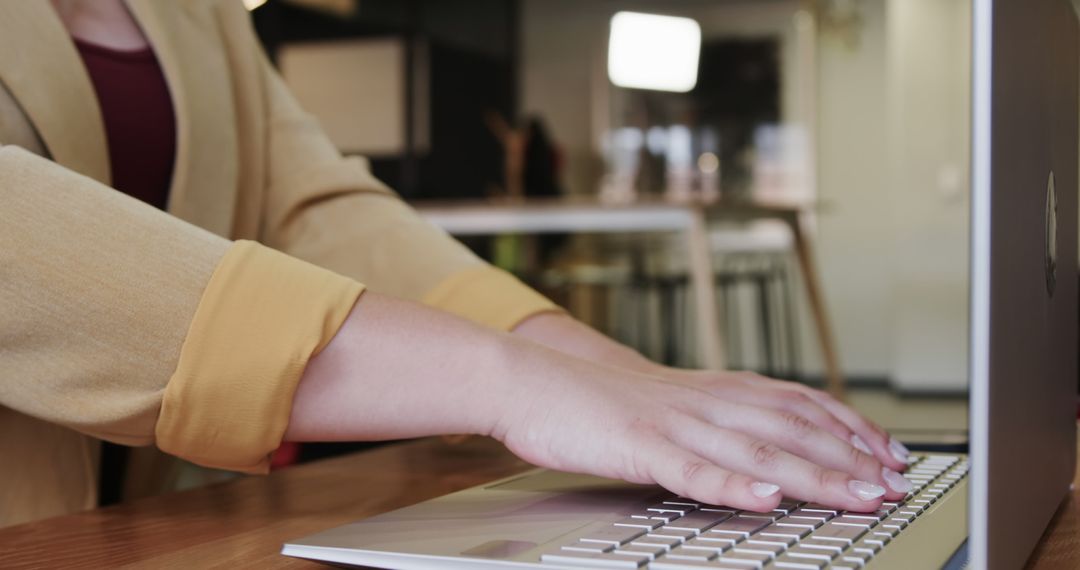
{"x":702,"y":281}
{"x":833,"y":377}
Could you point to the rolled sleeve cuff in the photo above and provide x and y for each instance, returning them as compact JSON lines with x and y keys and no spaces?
{"x":262,"y":316}
{"x":488,"y":296}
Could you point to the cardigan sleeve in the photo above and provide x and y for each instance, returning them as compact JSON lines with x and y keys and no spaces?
{"x":122,"y":322}
{"x":333,"y":212}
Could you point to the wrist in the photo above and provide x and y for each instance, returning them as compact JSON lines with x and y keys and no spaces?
{"x":563,"y":333}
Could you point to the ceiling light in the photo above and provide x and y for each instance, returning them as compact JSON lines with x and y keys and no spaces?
{"x":648,"y":51}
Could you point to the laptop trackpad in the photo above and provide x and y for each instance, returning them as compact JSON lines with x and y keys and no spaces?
{"x":494,"y":522}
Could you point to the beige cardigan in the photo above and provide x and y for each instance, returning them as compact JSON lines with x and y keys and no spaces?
{"x":121,"y":322}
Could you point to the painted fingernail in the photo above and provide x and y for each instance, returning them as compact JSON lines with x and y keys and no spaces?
{"x":762,"y":490}
{"x":898,"y":450}
{"x":865,"y":491}
{"x":860,"y":444}
{"x":895,"y":481}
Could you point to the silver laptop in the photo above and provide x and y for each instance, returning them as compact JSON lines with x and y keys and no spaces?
{"x":1024,"y":325}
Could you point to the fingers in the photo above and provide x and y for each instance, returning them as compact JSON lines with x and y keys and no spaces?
{"x":794,"y":401}
{"x":682,"y":472}
{"x":799,"y":435}
{"x":842,"y":421}
{"x":762,"y":460}
{"x":887,"y":449}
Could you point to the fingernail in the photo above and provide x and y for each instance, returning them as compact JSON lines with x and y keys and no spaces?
{"x":899,"y":452}
{"x":860,"y":444}
{"x":865,"y":491}
{"x":762,"y":490}
{"x":896,"y":481}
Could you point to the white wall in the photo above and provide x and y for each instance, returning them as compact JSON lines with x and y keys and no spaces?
{"x":929,"y":75}
{"x":853,"y":241}
{"x":893,"y":181}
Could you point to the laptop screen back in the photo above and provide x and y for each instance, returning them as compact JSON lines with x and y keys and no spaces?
{"x":1024,"y":273}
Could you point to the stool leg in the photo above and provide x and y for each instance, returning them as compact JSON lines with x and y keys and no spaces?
{"x":765,"y":317}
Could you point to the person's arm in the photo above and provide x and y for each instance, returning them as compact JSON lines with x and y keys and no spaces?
{"x":331,"y":211}
{"x":397,"y":369}
{"x":127,"y":324}
{"x":564,"y":333}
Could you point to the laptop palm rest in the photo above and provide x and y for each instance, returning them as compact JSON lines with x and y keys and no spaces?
{"x":504,"y":520}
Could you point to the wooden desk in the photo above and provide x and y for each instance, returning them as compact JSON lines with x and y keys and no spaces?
{"x":690,"y":218}
{"x":243,"y":523}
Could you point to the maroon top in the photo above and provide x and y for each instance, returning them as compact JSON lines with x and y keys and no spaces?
{"x":139,"y":123}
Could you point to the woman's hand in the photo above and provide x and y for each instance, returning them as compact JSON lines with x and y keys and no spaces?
{"x":817,"y":406}
{"x":741,"y":441}
{"x":563,"y":333}
{"x":397,"y":370}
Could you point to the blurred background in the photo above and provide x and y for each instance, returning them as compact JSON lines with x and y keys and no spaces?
{"x":770,"y":185}
{"x":854,"y":111}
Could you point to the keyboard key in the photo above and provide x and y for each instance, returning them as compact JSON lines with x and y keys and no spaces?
{"x":785,"y":530}
{"x":651,"y":551}
{"x":770,"y":546}
{"x":803,"y":513}
{"x":739,"y":525}
{"x":789,"y":505}
{"x":664,"y":539}
{"x":634,"y":554}
{"x":854,"y":521}
{"x":716,"y":539}
{"x":712,"y":509}
{"x":868,"y":517}
{"x":802,"y":521}
{"x":595,"y":547}
{"x":800,"y":551}
{"x":793,"y":531}
{"x":682,"y":501}
{"x":916,"y":507}
{"x":771,"y":516}
{"x":584,"y":559}
{"x":820,"y":507}
{"x":648,"y":524}
{"x":891,"y":527}
{"x":843,"y":533}
{"x":683,"y":553}
{"x":666,"y":508}
{"x":681,"y":533}
{"x":834,"y":546}
{"x":879,"y":539}
{"x":652,"y":545}
{"x":906,"y":516}
{"x":614,"y":535}
{"x":747,"y":558}
{"x":785,"y":560}
{"x":858,"y":556}
{"x":883,"y":513}
{"x":665,"y":564}
{"x":698,"y":521}
{"x":714,"y":546}
{"x":665,"y":517}
{"x":785,"y":539}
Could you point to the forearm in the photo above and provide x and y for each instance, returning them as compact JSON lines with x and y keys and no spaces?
{"x":397,"y":369}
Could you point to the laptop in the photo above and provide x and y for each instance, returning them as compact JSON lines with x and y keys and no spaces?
{"x":986,"y":510}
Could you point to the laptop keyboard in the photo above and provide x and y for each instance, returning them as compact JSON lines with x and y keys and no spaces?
{"x":681,"y":534}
